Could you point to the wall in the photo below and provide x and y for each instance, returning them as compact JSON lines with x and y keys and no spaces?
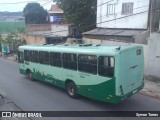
{"x":60,"y":29}
{"x":105,"y":42}
{"x":153,"y":67}
{"x":137,"y":21}
{"x":142,"y":38}
{"x":38,"y":27}
{"x":155,"y":15}
{"x":30,"y":39}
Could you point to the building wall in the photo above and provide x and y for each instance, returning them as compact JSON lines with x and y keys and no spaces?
{"x":118,"y":20}
{"x":153,"y":66}
{"x":38,"y":27}
{"x":106,"y":42}
{"x":30,"y":40}
{"x":142,"y":38}
{"x":60,"y":29}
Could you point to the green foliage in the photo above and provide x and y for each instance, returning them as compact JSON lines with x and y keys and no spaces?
{"x":13,"y":39}
{"x":7,"y":27}
{"x":35,"y":14}
{"x":80,"y":13}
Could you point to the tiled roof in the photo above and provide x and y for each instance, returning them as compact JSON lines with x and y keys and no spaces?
{"x":55,"y":9}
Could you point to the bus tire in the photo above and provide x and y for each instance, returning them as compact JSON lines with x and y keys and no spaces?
{"x":71,"y":90}
{"x":29,"y":75}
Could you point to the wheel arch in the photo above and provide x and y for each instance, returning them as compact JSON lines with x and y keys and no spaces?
{"x":68,"y":81}
{"x":28,"y":70}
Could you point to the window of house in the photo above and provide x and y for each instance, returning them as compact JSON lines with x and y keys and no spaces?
{"x":70,"y":61}
{"x":127,"y":8}
{"x":44,"y":58}
{"x":106,"y":66}
{"x":34,"y":56}
{"x":87,"y":63}
{"x":55,"y":59}
{"x":27,"y":55}
{"x":110,"y":9}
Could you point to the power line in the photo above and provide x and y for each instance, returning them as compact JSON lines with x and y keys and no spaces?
{"x":51,"y":33}
{"x":104,"y":21}
{"x":105,"y":3}
{"x":117,"y":13}
{"x":20,"y":2}
{"x":48,"y":2}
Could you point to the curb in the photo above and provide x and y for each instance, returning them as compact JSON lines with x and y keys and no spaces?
{"x":9,"y":59}
{"x":10,"y":106}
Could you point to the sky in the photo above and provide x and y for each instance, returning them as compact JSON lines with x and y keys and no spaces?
{"x":18,"y":5}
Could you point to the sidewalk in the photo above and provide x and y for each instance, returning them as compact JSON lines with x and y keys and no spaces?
{"x":8,"y":105}
{"x":151,"y":88}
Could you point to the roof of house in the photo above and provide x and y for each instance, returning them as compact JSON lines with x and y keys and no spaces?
{"x":45,"y":34}
{"x":55,"y":9}
{"x":115,"y":32}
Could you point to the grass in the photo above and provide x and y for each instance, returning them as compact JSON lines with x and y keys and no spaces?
{"x":6,"y":27}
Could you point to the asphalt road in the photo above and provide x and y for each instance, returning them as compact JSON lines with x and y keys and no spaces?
{"x":38,"y":96}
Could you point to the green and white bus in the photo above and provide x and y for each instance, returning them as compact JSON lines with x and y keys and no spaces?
{"x":105,"y":73}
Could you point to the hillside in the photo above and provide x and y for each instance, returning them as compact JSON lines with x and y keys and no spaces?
{"x":11,"y":13}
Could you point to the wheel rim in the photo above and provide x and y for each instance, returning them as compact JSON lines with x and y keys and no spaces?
{"x":30,"y":75}
{"x":71,"y":90}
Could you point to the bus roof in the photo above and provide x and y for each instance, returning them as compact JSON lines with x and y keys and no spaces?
{"x":81,"y":49}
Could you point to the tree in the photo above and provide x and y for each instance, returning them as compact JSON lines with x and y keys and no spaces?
{"x":13,"y":40}
{"x":81,"y":13}
{"x":35,"y":14}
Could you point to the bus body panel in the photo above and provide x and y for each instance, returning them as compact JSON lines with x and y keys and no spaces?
{"x":130,"y":71}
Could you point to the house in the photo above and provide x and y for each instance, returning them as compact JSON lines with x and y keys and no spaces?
{"x":120,"y":21}
{"x":58,"y":24}
{"x":55,"y":32}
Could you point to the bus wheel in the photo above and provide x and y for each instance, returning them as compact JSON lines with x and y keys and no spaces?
{"x":71,"y":90}
{"x":29,"y":75}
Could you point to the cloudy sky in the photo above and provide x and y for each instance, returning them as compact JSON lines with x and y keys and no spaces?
{"x":18,"y":5}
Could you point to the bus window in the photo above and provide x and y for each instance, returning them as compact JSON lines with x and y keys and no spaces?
{"x":20,"y":57}
{"x":138,"y":52}
{"x":27,"y":55}
{"x":106,"y":66}
{"x":70,"y":61}
{"x":44,"y":58}
{"x":55,"y":59}
{"x":34,"y":56}
{"x":87,"y":63}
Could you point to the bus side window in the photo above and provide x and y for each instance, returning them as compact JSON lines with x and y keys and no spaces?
{"x":27,"y":55}
{"x":55,"y":59}
{"x":70,"y":61}
{"x":44,"y":58}
{"x":20,"y":57}
{"x":87,"y":63}
{"x":34,"y":56}
{"x":106,"y":66}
